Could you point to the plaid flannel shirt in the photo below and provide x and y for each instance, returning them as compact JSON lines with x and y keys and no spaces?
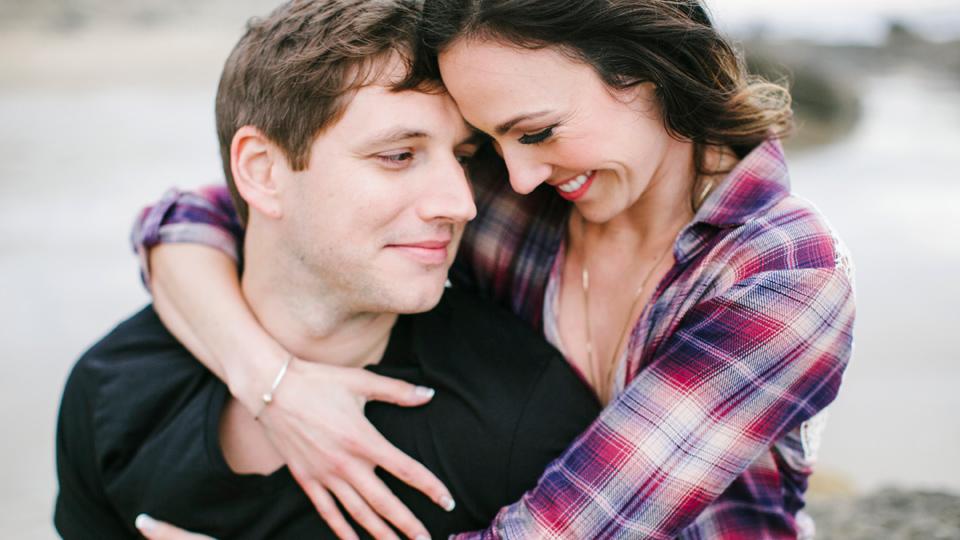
{"x":714,"y":424}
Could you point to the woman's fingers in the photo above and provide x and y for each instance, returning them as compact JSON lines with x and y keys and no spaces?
{"x":365,"y":515}
{"x":377,"y":495}
{"x":361,"y":492}
{"x":326,"y":507}
{"x":381,"y":453}
{"x":158,"y":530}
{"x":409,"y":471}
{"x":378,"y":388}
{"x":316,"y":423}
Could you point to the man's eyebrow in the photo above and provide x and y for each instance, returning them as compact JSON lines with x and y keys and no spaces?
{"x":396,"y":135}
{"x":506,"y":126}
{"x":476,"y":136}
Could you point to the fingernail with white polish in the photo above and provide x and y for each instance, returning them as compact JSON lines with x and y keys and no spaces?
{"x":145,"y":523}
{"x":423,"y":391}
{"x":422,"y":537}
{"x":447,"y":503}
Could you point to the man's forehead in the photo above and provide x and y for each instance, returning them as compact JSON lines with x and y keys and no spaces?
{"x":379,"y":114}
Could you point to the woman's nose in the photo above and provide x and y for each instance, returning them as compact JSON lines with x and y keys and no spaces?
{"x":526,"y":170}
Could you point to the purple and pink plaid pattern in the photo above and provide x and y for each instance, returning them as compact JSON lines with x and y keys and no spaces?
{"x":712,"y":432}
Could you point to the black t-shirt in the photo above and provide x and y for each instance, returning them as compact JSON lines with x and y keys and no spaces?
{"x":138,"y":429}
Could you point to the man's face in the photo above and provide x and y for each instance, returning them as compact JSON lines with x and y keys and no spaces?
{"x":377,"y":216}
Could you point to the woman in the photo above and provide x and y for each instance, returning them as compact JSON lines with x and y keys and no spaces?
{"x":649,"y":233}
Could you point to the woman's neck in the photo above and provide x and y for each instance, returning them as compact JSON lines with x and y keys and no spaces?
{"x":626,"y":257}
{"x":665,"y":206}
{"x":654,"y":218}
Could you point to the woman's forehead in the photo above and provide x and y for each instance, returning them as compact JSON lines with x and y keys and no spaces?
{"x":489,"y":79}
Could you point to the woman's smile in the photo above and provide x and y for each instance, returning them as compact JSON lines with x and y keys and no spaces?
{"x":574,"y":188}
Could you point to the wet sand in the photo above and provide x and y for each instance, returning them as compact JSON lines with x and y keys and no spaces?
{"x":97,"y":123}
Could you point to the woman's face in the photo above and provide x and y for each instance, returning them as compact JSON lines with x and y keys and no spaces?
{"x":553,"y":120}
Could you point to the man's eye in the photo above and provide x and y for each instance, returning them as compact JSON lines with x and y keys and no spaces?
{"x":396,"y":159}
{"x":536,"y":138}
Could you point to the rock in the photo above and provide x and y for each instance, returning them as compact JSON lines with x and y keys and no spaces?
{"x":890,"y":514}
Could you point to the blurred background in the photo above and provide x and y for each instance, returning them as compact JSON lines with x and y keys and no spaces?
{"x":104,"y":104}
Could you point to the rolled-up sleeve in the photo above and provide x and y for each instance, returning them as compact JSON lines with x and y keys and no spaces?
{"x":206,"y":216}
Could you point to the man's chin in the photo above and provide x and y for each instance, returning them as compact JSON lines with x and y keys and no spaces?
{"x":418,"y":296}
{"x":422,"y":303}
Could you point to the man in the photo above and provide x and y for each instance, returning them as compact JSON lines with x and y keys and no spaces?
{"x":353,"y":190}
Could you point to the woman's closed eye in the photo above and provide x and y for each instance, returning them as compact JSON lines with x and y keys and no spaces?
{"x":536,"y":138}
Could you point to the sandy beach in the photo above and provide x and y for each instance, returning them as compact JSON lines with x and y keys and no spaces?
{"x":98,"y":120}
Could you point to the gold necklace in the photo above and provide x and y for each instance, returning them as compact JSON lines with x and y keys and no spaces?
{"x":586,"y":310}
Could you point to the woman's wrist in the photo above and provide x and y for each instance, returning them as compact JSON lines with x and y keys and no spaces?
{"x":250,"y":371}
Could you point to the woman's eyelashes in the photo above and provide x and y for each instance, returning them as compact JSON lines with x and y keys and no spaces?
{"x":536,"y":138}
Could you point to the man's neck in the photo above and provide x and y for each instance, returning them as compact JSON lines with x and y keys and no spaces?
{"x":310,"y":325}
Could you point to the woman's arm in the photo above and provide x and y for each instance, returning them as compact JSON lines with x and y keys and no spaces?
{"x":740,"y":371}
{"x":316,"y":419}
{"x":694,"y":420}
{"x":202,"y":281}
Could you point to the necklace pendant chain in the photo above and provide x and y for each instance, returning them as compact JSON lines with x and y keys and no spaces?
{"x":607,"y":380}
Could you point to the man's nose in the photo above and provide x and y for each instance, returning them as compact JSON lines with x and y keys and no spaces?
{"x":448,"y":195}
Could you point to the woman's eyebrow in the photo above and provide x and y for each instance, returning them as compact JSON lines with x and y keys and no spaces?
{"x":506,"y":126}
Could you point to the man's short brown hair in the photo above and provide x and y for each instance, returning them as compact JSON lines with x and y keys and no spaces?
{"x":292,"y":73}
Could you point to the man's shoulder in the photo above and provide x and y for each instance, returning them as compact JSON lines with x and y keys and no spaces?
{"x":128,"y":347}
{"x":143,"y":330}
{"x":508,"y":402}
{"x":131,"y":377}
{"x":468,"y":338}
{"x":464,"y":322}
{"x":138,"y":401}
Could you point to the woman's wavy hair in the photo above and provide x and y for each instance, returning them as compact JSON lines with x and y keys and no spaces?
{"x":705,"y":93}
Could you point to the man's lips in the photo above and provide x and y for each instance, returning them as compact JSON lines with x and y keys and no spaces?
{"x":428,"y":252}
{"x":574,"y":188}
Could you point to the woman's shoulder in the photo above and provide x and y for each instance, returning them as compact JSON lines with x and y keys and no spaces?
{"x":787,"y":244}
{"x":753,"y":222}
{"x":791,"y":235}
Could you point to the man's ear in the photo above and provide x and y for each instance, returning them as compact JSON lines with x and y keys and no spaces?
{"x":256,"y":164}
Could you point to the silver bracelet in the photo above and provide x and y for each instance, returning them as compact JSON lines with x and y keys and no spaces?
{"x":268,"y":397}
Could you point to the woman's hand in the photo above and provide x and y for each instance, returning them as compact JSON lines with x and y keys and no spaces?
{"x":158,"y":530}
{"x":316,"y":423}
